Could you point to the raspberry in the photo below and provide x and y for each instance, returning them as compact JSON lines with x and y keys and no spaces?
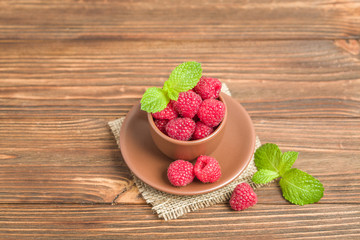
{"x":188,"y":104}
{"x":180,"y":128}
{"x":180,"y":173}
{"x":243,"y":197}
{"x":161,"y":124}
{"x":208,"y":87}
{"x":201,"y":131}
{"x":207,"y":169}
{"x":167,"y":113}
{"x":211,"y":112}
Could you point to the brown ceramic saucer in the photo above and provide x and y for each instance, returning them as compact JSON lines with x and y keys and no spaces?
{"x":150,"y":165}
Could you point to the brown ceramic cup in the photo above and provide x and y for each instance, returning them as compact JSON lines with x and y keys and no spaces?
{"x":187,"y":150}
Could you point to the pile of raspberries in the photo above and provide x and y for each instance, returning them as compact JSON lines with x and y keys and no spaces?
{"x":195,"y":114}
{"x":207,"y":169}
{"x":181,"y":173}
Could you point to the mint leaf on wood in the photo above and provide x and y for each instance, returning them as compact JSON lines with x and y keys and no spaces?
{"x":183,"y":78}
{"x":287,"y":160}
{"x":297,"y":186}
{"x":264,"y":176}
{"x":154,"y":100}
{"x":301,"y":188}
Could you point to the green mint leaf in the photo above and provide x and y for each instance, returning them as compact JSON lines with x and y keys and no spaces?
{"x":183,"y":78}
{"x":172,"y":93}
{"x":264,"y":176}
{"x":154,"y":100}
{"x":268,"y":156}
{"x":287,"y":160}
{"x":301,"y":188}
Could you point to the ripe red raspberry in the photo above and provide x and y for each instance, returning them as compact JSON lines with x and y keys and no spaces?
{"x":180,"y":128}
{"x":207,"y":169}
{"x":201,"y":131}
{"x":208,"y":87}
{"x":211,"y":112}
{"x":180,"y":173}
{"x":167,"y":113}
{"x":188,"y":104}
{"x":161,"y":124}
{"x":243,"y":197}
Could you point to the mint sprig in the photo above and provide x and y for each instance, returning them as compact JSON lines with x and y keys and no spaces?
{"x":183,"y":78}
{"x":298,"y":187}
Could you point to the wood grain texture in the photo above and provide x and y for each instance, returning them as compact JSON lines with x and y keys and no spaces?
{"x":68,"y":67}
{"x":317,"y":221}
{"x":184,"y":20}
{"x":286,"y":79}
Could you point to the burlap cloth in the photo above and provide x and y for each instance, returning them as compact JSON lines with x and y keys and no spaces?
{"x":169,"y":206}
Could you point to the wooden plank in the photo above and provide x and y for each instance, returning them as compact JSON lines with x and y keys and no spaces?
{"x":55,"y":175}
{"x":106,"y":78}
{"x":78,"y":161}
{"x":333,"y":135}
{"x":280,"y":19}
{"x":316,"y":221}
{"x":72,"y":62}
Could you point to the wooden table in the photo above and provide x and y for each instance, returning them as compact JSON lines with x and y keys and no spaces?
{"x":69,"y":67}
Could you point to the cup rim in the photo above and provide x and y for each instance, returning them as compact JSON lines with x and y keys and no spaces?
{"x":191,"y":142}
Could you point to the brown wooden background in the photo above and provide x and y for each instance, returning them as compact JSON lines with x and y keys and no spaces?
{"x":68,"y":67}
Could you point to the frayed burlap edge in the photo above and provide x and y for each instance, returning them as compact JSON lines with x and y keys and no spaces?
{"x":169,"y":206}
